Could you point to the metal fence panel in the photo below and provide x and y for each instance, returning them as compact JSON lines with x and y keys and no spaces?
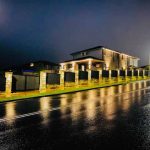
{"x":2,"y":83}
{"x":141,"y":73}
{"x":32,"y":82}
{"x":53,"y":78}
{"x":135,"y":73}
{"x":122,"y":73}
{"x":83,"y":75}
{"x":95,"y":74}
{"x":114,"y":73}
{"x":18,"y":83}
{"x":146,"y":73}
{"x":105,"y":73}
{"x":129,"y":73}
{"x":69,"y":77}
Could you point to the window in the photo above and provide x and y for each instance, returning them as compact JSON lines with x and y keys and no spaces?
{"x":83,"y":53}
{"x":82,"y":67}
{"x":97,"y":65}
{"x":69,"y":66}
{"x":113,"y":57}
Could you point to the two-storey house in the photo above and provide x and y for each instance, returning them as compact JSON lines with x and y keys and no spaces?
{"x":99,"y":58}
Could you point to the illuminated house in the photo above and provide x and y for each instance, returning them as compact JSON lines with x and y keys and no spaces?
{"x":99,"y":58}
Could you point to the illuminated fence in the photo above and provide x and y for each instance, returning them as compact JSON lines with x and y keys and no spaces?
{"x":15,"y":82}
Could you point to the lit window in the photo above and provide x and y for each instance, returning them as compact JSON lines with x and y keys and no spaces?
{"x":97,"y":65}
{"x":32,"y":64}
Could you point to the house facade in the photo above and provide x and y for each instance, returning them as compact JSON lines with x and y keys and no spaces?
{"x":99,"y":58}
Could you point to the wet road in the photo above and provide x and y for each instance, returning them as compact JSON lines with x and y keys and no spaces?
{"x":116,"y":116}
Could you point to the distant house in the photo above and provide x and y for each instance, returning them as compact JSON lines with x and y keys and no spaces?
{"x":99,"y":58}
{"x":39,"y":66}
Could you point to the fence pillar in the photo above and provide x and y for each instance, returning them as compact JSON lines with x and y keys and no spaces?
{"x":126,"y":74}
{"x":42,"y":81}
{"x":132,"y":74}
{"x":138,"y":73}
{"x":118,"y":75}
{"x":76,"y":77}
{"x":62,"y":78}
{"x":109,"y":75}
{"x":89,"y":76}
{"x":100,"y":75}
{"x":143,"y":73}
{"x":8,"y":86}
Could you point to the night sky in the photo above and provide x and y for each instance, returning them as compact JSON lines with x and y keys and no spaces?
{"x":50,"y":30}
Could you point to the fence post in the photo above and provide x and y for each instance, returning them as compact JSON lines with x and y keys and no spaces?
{"x":110,"y":76}
{"x":144,"y":73}
{"x":62,"y":79}
{"x":100,"y":75}
{"x":118,"y":75}
{"x":42,"y":81}
{"x":8,"y":86}
{"x":126,"y":74}
{"x":138,"y":73}
{"x":89,"y":77}
{"x":132,"y":76}
{"x":76,"y":77}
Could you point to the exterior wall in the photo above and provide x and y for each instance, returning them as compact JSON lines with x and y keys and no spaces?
{"x":123,"y":62}
{"x":132,"y":62}
{"x":97,"y":53}
{"x":136,"y":63}
{"x":114,"y":60}
{"x":111,"y":59}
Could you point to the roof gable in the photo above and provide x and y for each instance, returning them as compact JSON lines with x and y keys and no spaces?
{"x":88,"y":50}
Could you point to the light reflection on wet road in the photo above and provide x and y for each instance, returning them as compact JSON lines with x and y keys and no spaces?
{"x":117,"y":116}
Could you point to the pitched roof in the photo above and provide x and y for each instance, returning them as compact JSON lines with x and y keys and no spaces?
{"x":89,"y":49}
{"x":100,"y":47}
